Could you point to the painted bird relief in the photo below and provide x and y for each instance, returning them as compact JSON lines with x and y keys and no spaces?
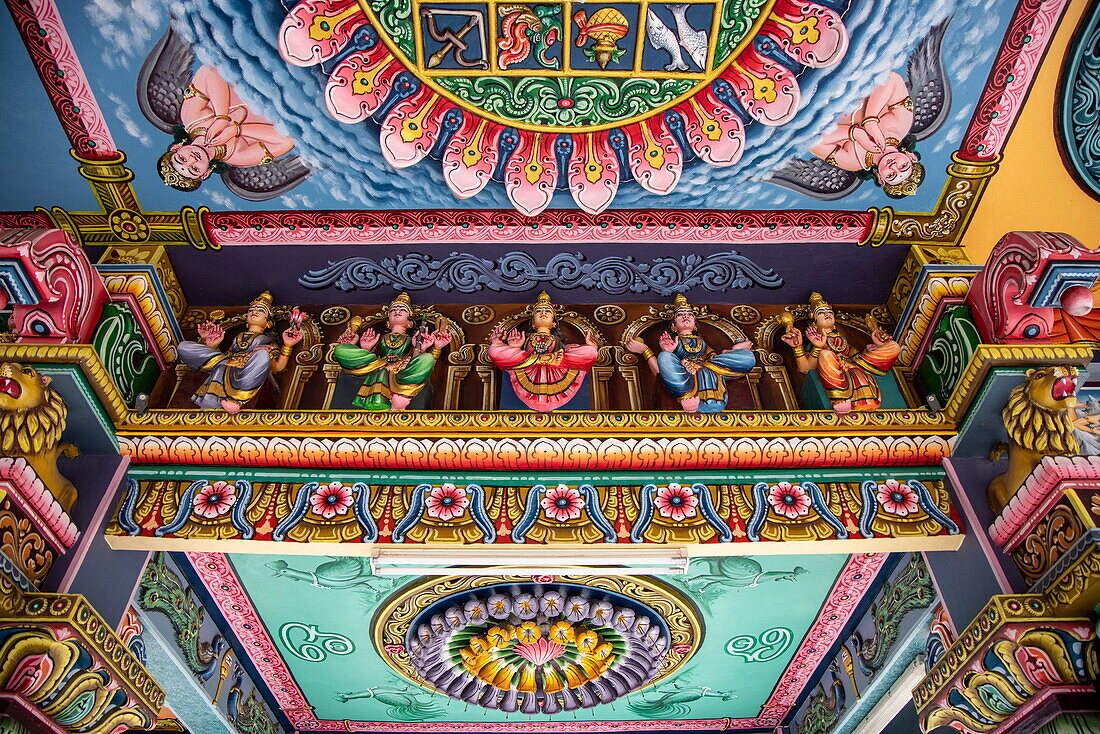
{"x":684,"y":41}
{"x":877,"y":141}
{"x":213,"y":130}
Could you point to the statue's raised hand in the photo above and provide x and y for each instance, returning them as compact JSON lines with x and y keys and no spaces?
{"x":496,"y":336}
{"x":590,"y":338}
{"x":880,"y":337}
{"x":292,"y":336}
{"x":516,"y":338}
{"x":792,"y":337}
{"x":667,"y":342}
{"x":815,"y":336}
{"x":637,"y":346}
{"x":369,"y":339}
{"x":441,"y":338}
{"x":211,"y":333}
{"x":422,"y":340}
{"x":348,"y":337}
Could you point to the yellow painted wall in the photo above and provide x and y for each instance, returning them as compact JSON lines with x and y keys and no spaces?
{"x":1033,"y":190}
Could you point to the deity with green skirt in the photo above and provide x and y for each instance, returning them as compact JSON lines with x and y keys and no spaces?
{"x":395,"y":366}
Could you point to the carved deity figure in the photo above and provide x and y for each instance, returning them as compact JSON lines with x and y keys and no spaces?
{"x":544,"y":370}
{"x":847,"y":374}
{"x":235,"y":375}
{"x":691,"y":371}
{"x":395,"y":365}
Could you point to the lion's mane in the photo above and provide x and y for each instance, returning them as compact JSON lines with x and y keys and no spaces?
{"x":33,"y":430}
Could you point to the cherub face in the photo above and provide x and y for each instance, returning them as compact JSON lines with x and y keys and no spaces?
{"x":257,"y":316}
{"x":683,"y":322}
{"x":543,"y":318}
{"x":191,"y":160}
{"x":399,"y":316}
{"x":824,"y":319}
{"x":893,"y":168}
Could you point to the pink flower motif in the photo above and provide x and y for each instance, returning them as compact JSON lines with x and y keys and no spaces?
{"x":897,"y":499}
{"x":789,"y":500}
{"x":562,"y":503}
{"x":681,"y":648}
{"x":540,"y":651}
{"x":214,"y":500}
{"x":543,"y":579}
{"x":676,"y":503}
{"x":394,"y":649}
{"x":447,"y":502}
{"x":331,"y":500}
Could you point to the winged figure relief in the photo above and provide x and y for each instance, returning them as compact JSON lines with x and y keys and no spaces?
{"x":213,"y":130}
{"x":877,"y":141}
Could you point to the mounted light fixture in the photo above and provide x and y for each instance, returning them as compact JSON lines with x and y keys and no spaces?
{"x":528,"y":561}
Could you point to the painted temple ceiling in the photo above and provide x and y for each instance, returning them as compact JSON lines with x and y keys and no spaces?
{"x":735,"y":96}
{"x":738,"y":154}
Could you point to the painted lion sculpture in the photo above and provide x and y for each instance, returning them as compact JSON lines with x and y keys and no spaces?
{"x":32,"y":417}
{"x":1040,"y":419}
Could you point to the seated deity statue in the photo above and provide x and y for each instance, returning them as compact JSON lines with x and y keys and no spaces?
{"x":396,"y":364}
{"x":235,"y":375}
{"x":691,"y":371}
{"x":545,"y":371}
{"x":847,"y":374}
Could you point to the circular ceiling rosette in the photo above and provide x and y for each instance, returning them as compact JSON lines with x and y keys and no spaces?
{"x":537,"y":647}
{"x":540,"y":99}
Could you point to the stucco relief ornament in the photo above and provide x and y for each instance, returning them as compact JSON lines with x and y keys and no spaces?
{"x":544,"y":370}
{"x":532,"y":95}
{"x":847,"y":374}
{"x":396,"y":364}
{"x":234,"y":376}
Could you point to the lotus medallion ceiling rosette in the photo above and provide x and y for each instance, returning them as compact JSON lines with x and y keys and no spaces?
{"x":537,"y":646}
{"x":582,"y":96}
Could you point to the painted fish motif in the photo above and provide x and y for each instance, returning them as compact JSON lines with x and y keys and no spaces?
{"x":694,"y":41}
{"x":662,"y":38}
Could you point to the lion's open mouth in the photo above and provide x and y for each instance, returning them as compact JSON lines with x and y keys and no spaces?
{"x":10,"y":387}
{"x":1064,"y":387}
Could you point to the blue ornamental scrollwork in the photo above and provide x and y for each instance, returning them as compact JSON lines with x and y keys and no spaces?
{"x":211,"y":500}
{"x":899,"y":499}
{"x":126,"y":509}
{"x":562,"y":505}
{"x":303,"y":503}
{"x":647,"y":497}
{"x":1079,"y":106}
{"x":816,"y":500}
{"x":447,"y":503}
{"x":519,"y":271}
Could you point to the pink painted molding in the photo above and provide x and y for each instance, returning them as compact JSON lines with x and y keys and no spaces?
{"x":220,"y":580}
{"x":24,"y":220}
{"x":71,"y":295}
{"x":557,"y":226}
{"x":1025,"y":44}
{"x":1039,"y":493}
{"x":31,"y":496}
{"x":42,"y":30}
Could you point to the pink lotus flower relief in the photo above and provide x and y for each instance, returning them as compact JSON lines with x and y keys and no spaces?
{"x":330,"y":500}
{"x":896,"y":498}
{"x":676,"y":503}
{"x":789,"y":500}
{"x":447,"y":502}
{"x":214,"y":500}
{"x":562,"y":503}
